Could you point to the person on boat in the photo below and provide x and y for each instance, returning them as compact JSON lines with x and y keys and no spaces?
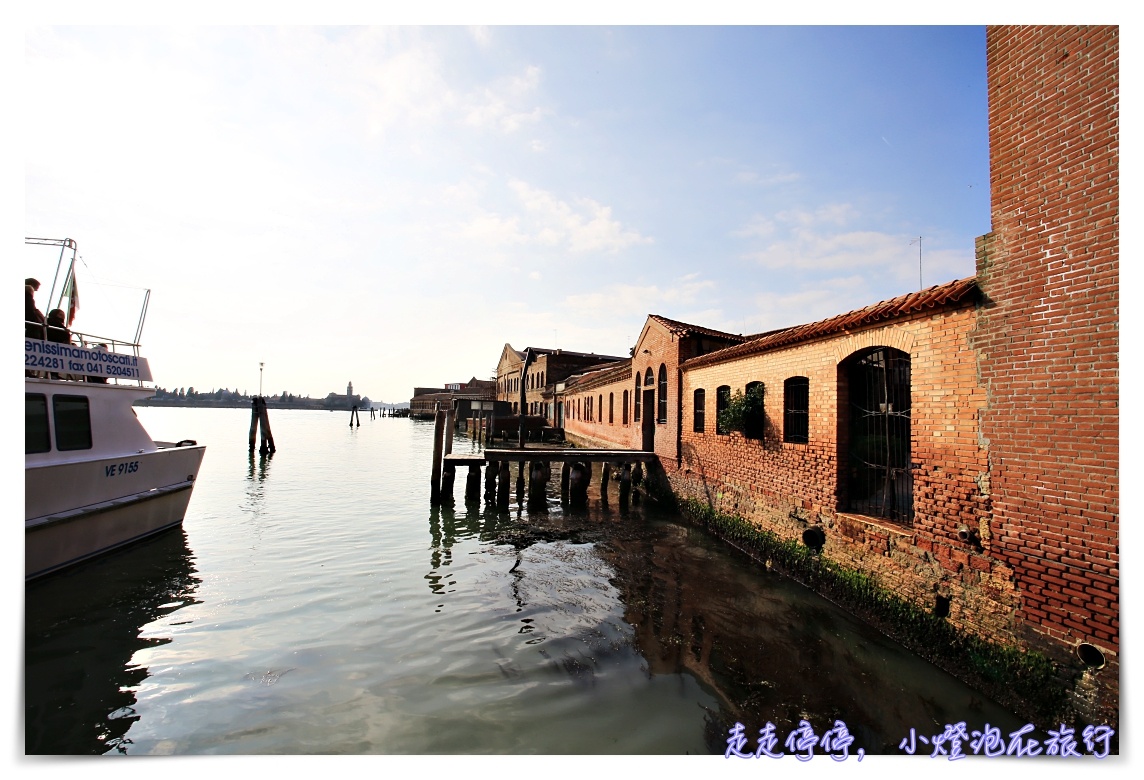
{"x":59,"y":333}
{"x":57,"y":330}
{"x":33,"y":317}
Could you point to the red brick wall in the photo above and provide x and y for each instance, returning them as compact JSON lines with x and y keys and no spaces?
{"x":1048,"y":338}
{"x":786,"y":487}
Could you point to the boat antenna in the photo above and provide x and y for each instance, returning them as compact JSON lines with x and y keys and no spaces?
{"x":918,"y":241}
{"x":142,"y":316}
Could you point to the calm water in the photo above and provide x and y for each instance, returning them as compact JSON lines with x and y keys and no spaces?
{"x":313,"y":603}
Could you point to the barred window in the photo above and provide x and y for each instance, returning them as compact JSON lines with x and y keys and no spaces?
{"x":796,"y":417}
{"x":662,"y":415}
{"x":699,"y":402}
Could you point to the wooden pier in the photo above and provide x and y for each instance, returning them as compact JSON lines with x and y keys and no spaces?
{"x":576,"y":473}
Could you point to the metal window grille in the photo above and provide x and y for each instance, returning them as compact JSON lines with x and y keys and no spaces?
{"x":662,"y":412}
{"x":880,"y":483}
{"x":796,"y":416}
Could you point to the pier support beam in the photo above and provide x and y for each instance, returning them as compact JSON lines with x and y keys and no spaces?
{"x":625,"y":485}
{"x":605,"y":475}
{"x":578,"y":479}
{"x":565,"y":471}
{"x":537,"y":485}
{"x":502,"y":485}
{"x":473,"y":484}
{"x":435,"y":479}
{"x":491,"y":481}
{"x":447,"y":477}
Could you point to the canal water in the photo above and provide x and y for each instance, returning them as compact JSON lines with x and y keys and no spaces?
{"x":314,"y":603}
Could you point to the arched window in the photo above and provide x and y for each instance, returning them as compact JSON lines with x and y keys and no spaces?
{"x":699,"y":403}
{"x":662,"y":414}
{"x":796,"y":410}
{"x":601,"y":405}
{"x":624,"y":413}
{"x":874,"y":415}
{"x":611,"y":408}
{"x":636,"y":416}
{"x":755,"y":420}
{"x":722,"y":401}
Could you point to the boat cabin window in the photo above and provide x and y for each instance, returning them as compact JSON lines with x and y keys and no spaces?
{"x":73,"y":422}
{"x":36,"y":437}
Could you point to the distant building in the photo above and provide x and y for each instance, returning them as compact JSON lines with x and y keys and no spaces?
{"x":347,"y":401}
{"x":549,"y":367}
{"x":424,"y":402}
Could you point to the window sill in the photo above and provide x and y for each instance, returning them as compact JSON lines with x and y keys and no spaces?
{"x":880,"y":523}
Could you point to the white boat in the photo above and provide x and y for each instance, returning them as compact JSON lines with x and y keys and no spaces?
{"x":94,"y":480}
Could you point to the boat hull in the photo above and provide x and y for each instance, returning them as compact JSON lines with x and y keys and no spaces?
{"x":65,"y":536}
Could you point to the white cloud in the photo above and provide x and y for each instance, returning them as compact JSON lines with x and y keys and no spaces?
{"x":771,"y":180}
{"x":647,"y":299}
{"x":504,"y":104}
{"x":587,"y":226}
{"x":482,"y":35}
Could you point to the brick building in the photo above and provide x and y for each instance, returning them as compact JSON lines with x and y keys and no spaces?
{"x":423,"y":404}
{"x":548,"y":368}
{"x":636,"y":405}
{"x":959,"y":443}
{"x":1047,"y":338}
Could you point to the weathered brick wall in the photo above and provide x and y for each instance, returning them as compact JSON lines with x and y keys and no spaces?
{"x":599,"y":431}
{"x":1048,"y":339}
{"x":788,"y":487}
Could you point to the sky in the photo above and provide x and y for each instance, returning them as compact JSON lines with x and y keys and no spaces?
{"x":389,"y":206}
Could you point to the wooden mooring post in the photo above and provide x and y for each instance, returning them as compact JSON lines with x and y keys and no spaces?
{"x":435,"y":479}
{"x":259,"y":415}
{"x":354,"y":415}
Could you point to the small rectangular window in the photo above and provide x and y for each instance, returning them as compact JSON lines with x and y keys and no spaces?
{"x":796,"y":416}
{"x":700,"y":403}
{"x":36,"y":436}
{"x":73,"y":422}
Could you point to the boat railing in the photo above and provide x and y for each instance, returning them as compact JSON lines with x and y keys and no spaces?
{"x":87,"y":341}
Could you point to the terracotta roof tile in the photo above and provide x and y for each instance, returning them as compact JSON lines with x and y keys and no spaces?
{"x":686,"y":329}
{"x":931,"y":297}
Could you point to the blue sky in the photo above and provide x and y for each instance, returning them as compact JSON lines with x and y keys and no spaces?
{"x":389,"y":206}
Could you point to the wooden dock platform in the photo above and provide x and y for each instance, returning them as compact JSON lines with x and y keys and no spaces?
{"x":549,"y":455}
{"x":575,"y":473}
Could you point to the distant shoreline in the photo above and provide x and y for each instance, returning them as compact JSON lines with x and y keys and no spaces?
{"x":245,"y":404}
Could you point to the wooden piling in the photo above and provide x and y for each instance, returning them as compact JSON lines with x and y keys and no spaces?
{"x":520,"y":483}
{"x":578,"y":485}
{"x":537,"y":484}
{"x":473,"y":484}
{"x":253,"y":421}
{"x":565,"y":471}
{"x":625,"y":484}
{"x":435,"y":480}
{"x":448,"y":475}
{"x":502,"y":485}
{"x":449,"y":429}
{"x":267,"y":436}
{"x":491,"y":481}
{"x":605,"y":475}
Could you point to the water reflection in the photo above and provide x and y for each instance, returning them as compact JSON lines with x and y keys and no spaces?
{"x":82,"y":629}
{"x":763,"y":647}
